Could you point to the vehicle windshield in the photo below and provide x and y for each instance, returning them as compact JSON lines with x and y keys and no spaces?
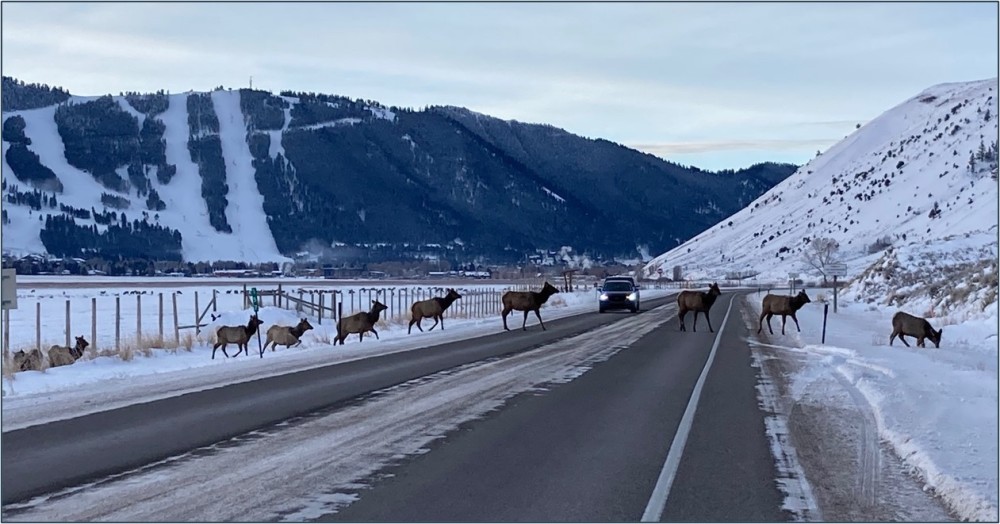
{"x":617,"y":285}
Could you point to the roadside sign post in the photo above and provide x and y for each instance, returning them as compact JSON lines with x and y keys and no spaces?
{"x":837,"y":269}
{"x":8,"y":294}
{"x":256,"y":306}
{"x":791,"y":280}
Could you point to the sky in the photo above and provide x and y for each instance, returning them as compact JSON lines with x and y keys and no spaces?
{"x":713,"y":85}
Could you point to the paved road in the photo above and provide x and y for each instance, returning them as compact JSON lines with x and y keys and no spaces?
{"x":42,"y":458}
{"x":592,"y":449}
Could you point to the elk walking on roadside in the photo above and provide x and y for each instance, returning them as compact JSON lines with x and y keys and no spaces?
{"x":781,"y":305}
{"x":431,"y":308}
{"x":285,"y":335}
{"x":239,"y":335}
{"x":526,"y":301}
{"x":360,"y":323}
{"x":699,"y":302}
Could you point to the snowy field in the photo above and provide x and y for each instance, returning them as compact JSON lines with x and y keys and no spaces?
{"x":936,"y":408}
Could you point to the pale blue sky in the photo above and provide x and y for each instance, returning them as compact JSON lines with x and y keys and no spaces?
{"x":715,"y":85}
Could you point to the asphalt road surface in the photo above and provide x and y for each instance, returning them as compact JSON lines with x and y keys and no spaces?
{"x":603,"y":446}
{"x":42,"y":458}
{"x":592,"y":450}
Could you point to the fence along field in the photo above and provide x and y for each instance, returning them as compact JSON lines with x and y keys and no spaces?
{"x":124,"y":320}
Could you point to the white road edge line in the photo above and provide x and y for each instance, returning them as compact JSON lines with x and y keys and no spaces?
{"x":658,"y":500}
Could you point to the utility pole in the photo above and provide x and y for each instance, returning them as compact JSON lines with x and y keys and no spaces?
{"x":251,"y":81}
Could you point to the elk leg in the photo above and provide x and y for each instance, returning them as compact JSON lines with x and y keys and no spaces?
{"x":709,"y":320}
{"x":435,"y":324}
{"x":441,"y":318}
{"x":410,"y":328}
{"x":680,"y":316}
{"x":504,"y":314}
{"x":376,"y":333}
{"x":784,"y":318}
{"x":796,"y":323}
{"x":902,"y":339}
{"x":361,"y":336}
{"x":525,"y":323}
{"x":760,"y":322}
{"x":893,"y":336}
{"x":539,"y":315}
{"x":920,"y":342}
{"x":769,"y":315}
{"x":694,"y":325}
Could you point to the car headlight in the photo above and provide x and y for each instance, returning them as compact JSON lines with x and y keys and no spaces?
{"x":604,"y":296}
{"x":632,"y":297}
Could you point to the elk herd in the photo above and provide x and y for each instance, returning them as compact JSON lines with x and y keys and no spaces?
{"x":903,"y":324}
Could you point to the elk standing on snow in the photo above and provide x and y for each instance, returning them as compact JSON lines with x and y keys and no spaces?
{"x":239,"y":335}
{"x":526,"y":301}
{"x":287,"y":336}
{"x":431,"y":308}
{"x":360,"y":323}
{"x":919,"y":328}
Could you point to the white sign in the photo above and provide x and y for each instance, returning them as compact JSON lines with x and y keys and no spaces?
{"x":8,"y":289}
{"x":838,"y":269}
{"x":793,"y":275}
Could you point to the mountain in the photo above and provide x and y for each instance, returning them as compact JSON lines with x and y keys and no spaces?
{"x":910,"y":200}
{"x":252,"y":176}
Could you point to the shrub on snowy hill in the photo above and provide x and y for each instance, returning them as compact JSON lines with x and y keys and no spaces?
{"x":18,"y":96}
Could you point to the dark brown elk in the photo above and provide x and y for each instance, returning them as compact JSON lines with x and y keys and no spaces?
{"x":360,"y":323}
{"x":781,"y":305}
{"x":64,"y":356}
{"x":699,"y":302}
{"x":287,"y":336}
{"x":431,"y":308}
{"x":30,"y":361}
{"x":919,"y":328}
{"x":239,"y":335}
{"x":526,"y":301}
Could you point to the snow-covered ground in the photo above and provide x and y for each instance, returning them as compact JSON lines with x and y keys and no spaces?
{"x":936,"y":408}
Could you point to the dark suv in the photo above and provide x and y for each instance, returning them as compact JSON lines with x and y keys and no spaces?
{"x":619,"y":293}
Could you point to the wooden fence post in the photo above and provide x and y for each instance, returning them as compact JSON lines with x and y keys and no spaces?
{"x":246,"y":298}
{"x":197,"y":328}
{"x":161,"y":318}
{"x":138,"y":320}
{"x":177,"y":330}
{"x":321,"y":307}
{"x":93,"y":324}
{"x":278,"y":297}
{"x":215,"y":303}
{"x":38,"y":325}
{"x":118,"y":323}
{"x":67,"y":325}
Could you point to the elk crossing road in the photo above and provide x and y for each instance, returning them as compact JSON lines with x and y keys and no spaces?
{"x":660,"y":425}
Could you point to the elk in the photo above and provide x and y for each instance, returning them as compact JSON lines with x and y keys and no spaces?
{"x":431,"y":308}
{"x":699,"y":302}
{"x":30,"y":361}
{"x":360,"y":323}
{"x":64,"y":356}
{"x":287,"y":336}
{"x":526,"y":301}
{"x":919,"y":328}
{"x":781,"y":305}
{"x":239,"y":335}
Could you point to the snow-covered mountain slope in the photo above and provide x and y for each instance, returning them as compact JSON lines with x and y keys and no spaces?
{"x":899,"y":196}
{"x":186,"y":211}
